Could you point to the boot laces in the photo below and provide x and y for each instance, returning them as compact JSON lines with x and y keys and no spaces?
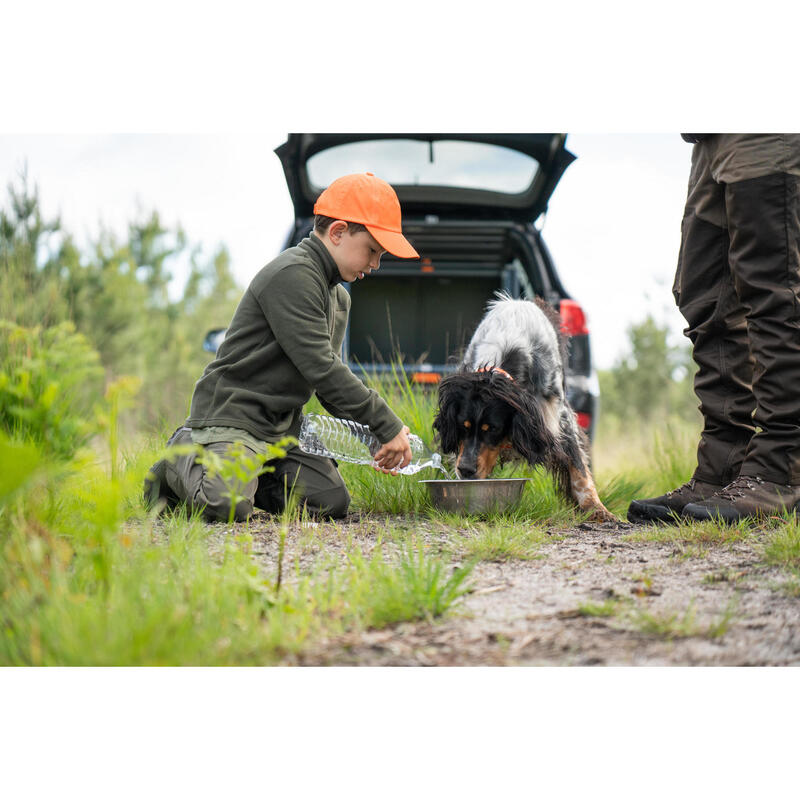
{"x":739,"y":487}
{"x":688,"y":485}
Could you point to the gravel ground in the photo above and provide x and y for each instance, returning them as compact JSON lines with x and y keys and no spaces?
{"x":668,"y":604}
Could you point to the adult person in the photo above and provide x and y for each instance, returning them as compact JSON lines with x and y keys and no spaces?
{"x":284,"y":344}
{"x":738,"y":287}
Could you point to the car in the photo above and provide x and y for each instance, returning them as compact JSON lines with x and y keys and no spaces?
{"x":470,"y":203}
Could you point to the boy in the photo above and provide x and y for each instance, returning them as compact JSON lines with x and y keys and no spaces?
{"x":282,"y":345}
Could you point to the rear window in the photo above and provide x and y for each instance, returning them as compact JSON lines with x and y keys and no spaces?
{"x":408,"y":162}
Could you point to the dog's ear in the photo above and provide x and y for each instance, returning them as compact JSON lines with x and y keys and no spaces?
{"x":529,"y":434}
{"x":446,"y":422}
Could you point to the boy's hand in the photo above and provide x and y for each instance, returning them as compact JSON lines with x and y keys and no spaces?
{"x":395,"y":454}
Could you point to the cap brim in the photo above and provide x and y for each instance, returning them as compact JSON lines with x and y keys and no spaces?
{"x":394,"y":243}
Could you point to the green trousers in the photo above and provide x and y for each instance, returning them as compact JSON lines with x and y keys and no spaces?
{"x":315,"y":481}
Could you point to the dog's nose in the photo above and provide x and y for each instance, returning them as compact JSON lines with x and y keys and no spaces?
{"x":466,"y":473}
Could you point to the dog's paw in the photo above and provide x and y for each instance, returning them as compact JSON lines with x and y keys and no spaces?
{"x":602,"y":514}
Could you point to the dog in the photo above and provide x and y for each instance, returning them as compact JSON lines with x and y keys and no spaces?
{"x":508,"y":398}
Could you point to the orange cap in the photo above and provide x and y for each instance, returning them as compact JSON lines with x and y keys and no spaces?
{"x":372,"y":202}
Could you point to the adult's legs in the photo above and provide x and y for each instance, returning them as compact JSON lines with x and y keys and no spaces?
{"x":705,"y":293}
{"x":764,"y":215}
{"x":761,"y":173}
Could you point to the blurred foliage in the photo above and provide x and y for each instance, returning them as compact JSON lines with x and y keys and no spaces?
{"x":653,"y":381}
{"x":115,"y":293}
{"x":49,"y":383}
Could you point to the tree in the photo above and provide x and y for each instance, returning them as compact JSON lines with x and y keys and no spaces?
{"x":653,"y":379}
{"x":116,"y":294}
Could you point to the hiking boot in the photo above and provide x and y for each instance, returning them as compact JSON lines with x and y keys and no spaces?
{"x":156,"y":489}
{"x":746,"y":497}
{"x":667,"y":506}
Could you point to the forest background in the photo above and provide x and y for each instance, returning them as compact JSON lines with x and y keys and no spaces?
{"x":114,"y":292}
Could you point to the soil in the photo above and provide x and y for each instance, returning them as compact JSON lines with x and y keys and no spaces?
{"x":719,"y":604}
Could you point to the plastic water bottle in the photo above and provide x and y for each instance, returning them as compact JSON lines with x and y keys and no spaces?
{"x":346,"y":440}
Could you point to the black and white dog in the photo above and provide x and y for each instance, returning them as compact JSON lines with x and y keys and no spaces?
{"x":509,"y":395}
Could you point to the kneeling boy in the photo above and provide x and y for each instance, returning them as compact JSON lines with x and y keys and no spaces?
{"x":283,"y":345}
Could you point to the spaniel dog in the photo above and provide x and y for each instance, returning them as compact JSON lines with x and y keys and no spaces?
{"x":509,"y":397}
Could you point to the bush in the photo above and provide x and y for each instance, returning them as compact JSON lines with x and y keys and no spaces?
{"x":49,"y":382}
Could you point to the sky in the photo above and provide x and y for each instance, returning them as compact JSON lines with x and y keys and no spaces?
{"x":613,"y":226}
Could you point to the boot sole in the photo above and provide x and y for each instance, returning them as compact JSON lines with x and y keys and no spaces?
{"x":700,"y":513}
{"x":647,"y":512}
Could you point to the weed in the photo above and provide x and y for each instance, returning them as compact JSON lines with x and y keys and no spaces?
{"x":49,"y":381}
{"x":644,"y":583}
{"x":783,"y":545}
{"x":673,"y":455}
{"x":416,"y":587}
{"x":684,"y":552}
{"x":665,"y":624}
{"x":694,"y":533}
{"x":719,"y":626}
{"x":790,"y":588}
{"x":375,"y":492}
{"x":608,"y":608}
{"x":671,"y":624}
{"x":292,"y":512}
{"x":500,"y":541}
{"x":723,"y":576}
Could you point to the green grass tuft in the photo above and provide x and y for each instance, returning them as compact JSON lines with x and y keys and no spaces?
{"x":608,"y":608}
{"x":418,"y":586}
{"x":500,"y":541}
{"x":783,"y":545}
{"x":673,"y":624}
{"x":711,"y":532}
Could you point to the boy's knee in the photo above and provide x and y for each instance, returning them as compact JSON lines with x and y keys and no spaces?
{"x":216,"y":503}
{"x":333,"y":503}
{"x":221,"y":511}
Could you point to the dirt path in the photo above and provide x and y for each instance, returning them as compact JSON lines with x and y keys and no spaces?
{"x":590,"y":596}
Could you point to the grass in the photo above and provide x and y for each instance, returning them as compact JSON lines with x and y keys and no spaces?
{"x":500,"y":541}
{"x":417,"y":586}
{"x":678,"y":624}
{"x":790,"y":588}
{"x":608,"y":608}
{"x":153,"y":593}
{"x":783,"y":545}
{"x":711,"y":532}
{"x":87,"y":576}
{"x":664,"y":624}
{"x":724,"y":576}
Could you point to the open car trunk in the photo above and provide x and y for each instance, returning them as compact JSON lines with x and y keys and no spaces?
{"x":423,"y":312}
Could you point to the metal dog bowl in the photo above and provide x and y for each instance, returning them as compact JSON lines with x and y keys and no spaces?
{"x":478,"y":496}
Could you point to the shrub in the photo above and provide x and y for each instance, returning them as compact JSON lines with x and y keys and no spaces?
{"x":49,"y":383}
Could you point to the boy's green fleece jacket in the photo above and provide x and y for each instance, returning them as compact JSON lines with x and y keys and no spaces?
{"x":283,"y":344}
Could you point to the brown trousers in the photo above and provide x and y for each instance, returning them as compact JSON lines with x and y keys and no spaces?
{"x":738,"y":287}
{"x":315,"y":481}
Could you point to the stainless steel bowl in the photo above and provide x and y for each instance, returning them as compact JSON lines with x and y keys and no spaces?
{"x":476,"y":497}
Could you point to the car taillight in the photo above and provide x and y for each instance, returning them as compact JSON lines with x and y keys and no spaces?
{"x":584,"y":420}
{"x":573,"y":320}
{"x":426,"y":377}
